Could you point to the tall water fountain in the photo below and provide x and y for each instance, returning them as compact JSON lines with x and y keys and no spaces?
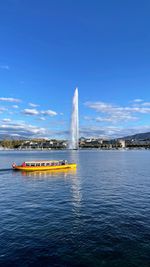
{"x":74,"y":138}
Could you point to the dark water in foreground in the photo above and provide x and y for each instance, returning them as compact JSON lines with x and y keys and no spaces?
{"x":96,"y":216}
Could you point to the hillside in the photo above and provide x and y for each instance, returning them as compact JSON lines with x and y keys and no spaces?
{"x":140,"y":136}
{"x":11,"y":137}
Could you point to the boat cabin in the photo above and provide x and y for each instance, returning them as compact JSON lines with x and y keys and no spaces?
{"x":44,"y":163}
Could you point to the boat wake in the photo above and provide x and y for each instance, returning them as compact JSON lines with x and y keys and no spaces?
{"x":3,"y":170}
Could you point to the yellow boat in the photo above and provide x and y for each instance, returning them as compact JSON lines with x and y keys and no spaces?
{"x":44,"y":165}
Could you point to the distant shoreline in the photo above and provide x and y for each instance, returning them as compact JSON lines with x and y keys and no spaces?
{"x":80,"y":149}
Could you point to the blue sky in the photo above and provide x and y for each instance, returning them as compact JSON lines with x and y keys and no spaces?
{"x":49,"y":47}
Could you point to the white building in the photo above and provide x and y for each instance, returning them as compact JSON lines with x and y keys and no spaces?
{"x":122,"y":143}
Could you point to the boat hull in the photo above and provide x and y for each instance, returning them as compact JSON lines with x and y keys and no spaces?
{"x":45,"y":168}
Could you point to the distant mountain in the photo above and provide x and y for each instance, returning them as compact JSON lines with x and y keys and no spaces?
{"x":11,"y":137}
{"x":140,"y":136}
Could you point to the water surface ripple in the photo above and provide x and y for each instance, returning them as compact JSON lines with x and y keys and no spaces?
{"x":98,"y":215}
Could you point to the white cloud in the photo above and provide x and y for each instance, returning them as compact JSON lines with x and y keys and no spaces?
{"x":111,"y":132}
{"x":146,"y":104}
{"x":138,"y":100}
{"x":4,"y":67}
{"x":22,"y":129}
{"x":28,"y":111}
{"x":33,"y":112}
{"x":17,"y":135}
{"x":9,"y":99}
{"x":6,"y":120}
{"x":42,"y":118}
{"x":3,"y":109}
{"x":116,"y":119}
{"x":114,"y":114}
{"x":33,"y":105}
{"x":111,"y":119}
{"x":49,"y":112}
{"x":15,"y":106}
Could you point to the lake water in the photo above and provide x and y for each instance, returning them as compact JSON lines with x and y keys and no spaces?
{"x":98,"y":215}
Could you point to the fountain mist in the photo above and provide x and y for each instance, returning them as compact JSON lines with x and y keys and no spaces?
{"x":74,"y":140}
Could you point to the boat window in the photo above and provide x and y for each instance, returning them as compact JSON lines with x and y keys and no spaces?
{"x":47,"y":164}
{"x":42,"y":164}
{"x":32,"y":164}
{"x":37,"y":164}
{"x":27,"y":164}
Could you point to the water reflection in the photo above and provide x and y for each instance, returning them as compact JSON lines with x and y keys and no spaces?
{"x":73,"y":176}
{"x":76,"y":183}
{"x":53,"y":173}
{"x":74,"y":156}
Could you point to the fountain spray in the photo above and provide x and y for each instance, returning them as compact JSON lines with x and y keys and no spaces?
{"x":74,"y":140}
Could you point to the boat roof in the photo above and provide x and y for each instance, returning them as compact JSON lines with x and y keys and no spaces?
{"x":43,"y":161}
